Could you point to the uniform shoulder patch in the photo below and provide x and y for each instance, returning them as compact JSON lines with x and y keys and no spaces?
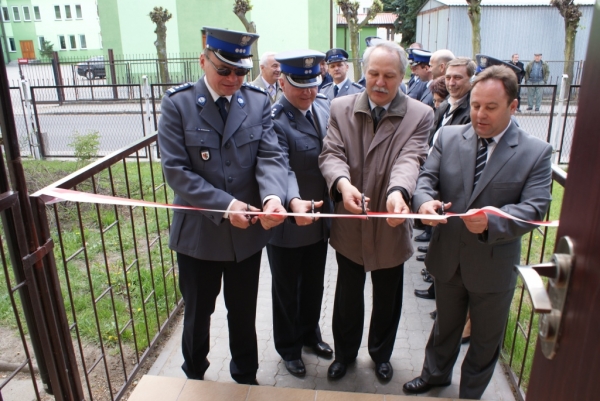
{"x":327,"y":85}
{"x":254,"y":87}
{"x":321,"y":96}
{"x":359,"y":86}
{"x":179,"y":88}
{"x":276,"y":109}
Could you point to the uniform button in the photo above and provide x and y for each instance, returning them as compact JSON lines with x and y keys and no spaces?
{"x":201,"y":140}
{"x":227,"y":145}
{"x":251,"y":136}
{"x":229,"y":179}
{"x":305,"y":146}
{"x":228,"y":163}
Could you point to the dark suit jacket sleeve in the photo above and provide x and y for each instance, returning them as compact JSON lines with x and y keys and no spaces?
{"x":178,"y":169}
{"x":429,"y":178}
{"x":293,"y":191}
{"x":534,"y":201}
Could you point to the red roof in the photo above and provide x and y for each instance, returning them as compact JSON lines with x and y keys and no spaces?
{"x":380,"y":19}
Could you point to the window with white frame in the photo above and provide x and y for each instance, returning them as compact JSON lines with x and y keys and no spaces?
{"x":72,"y":42}
{"x":5,"y":14}
{"x":62,"y":42}
{"x":16,"y":14}
{"x":78,"y":13}
{"x":36,"y":13}
{"x":57,"y":14}
{"x":12,"y":47}
{"x":68,"y":12}
{"x":41,"y":42}
{"x":82,"y":42}
{"x":26,"y":14}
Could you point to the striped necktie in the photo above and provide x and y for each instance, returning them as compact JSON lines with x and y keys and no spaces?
{"x":481,"y":160}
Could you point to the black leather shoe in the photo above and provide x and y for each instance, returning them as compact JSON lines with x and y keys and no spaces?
{"x":251,"y":382}
{"x":322,"y":349}
{"x":428,"y":278}
{"x":423,"y":248}
{"x":336,"y":370}
{"x":418,"y":386}
{"x":433,"y":314}
{"x":295,"y":367}
{"x":420,"y":258}
{"x":384,"y":371}
{"x":424,"y":294}
{"x":424,"y":272}
{"x":423,"y":237}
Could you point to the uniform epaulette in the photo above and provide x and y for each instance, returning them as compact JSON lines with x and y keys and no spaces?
{"x":179,"y":88}
{"x":322,"y":96}
{"x":359,"y":86}
{"x":254,"y":87}
{"x":276,"y":109}
{"x":327,"y":85}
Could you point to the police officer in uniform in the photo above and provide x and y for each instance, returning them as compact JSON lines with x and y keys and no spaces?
{"x":338,"y":69}
{"x":219,"y":151}
{"x":298,"y":249}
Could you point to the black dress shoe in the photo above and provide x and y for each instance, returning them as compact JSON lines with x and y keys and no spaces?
{"x":433,"y":314}
{"x":428,"y":278}
{"x":322,"y":349}
{"x":424,"y":272}
{"x":420,"y":258}
{"x":424,"y":294}
{"x":423,"y":237}
{"x":384,"y":371}
{"x":251,"y":382}
{"x":295,"y":367}
{"x":423,"y":248}
{"x":336,"y":370}
{"x":418,"y":386}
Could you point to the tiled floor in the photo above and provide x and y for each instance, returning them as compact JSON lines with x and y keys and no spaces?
{"x":407,"y":359}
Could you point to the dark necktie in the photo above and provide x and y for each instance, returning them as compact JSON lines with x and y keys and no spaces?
{"x":335,"y":90}
{"x":377,"y":113}
{"x":310,"y":119}
{"x":481,"y":158}
{"x":222,"y":104}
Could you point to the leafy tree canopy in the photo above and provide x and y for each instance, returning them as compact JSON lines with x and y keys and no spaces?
{"x":406,"y":24}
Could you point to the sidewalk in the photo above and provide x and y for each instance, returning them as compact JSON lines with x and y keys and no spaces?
{"x":407,"y":359}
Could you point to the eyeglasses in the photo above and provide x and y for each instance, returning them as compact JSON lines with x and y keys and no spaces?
{"x":224,"y":72}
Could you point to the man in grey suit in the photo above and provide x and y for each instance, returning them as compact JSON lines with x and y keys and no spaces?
{"x":269,"y":76}
{"x":219,"y":152}
{"x":490,"y":162}
{"x":298,"y":249}
{"x":337,"y":67}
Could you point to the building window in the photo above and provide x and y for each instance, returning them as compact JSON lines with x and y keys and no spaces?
{"x":5,"y":15}
{"x":62,"y":42}
{"x":12,"y":47}
{"x":72,"y":42}
{"x":78,"y":13}
{"x":57,"y":12}
{"x":36,"y":13}
{"x":26,"y":14}
{"x":41,"y":42}
{"x":82,"y":42}
{"x":68,"y":12}
{"x":16,"y":15}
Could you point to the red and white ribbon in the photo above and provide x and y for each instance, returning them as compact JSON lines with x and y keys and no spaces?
{"x":59,"y":194}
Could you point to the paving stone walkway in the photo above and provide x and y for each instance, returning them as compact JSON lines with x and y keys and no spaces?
{"x":407,"y":359}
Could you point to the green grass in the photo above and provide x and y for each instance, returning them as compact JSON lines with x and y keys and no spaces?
{"x":542,"y":248}
{"x":138,"y":239}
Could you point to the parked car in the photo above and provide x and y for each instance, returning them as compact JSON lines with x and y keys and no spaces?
{"x":92,"y":68}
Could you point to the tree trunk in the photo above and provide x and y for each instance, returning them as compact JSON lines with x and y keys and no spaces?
{"x":474,"y":12}
{"x":570,"y":33}
{"x":354,"y":46}
{"x":251,"y":27}
{"x":161,"y":51}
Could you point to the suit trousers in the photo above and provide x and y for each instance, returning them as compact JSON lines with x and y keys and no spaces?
{"x":488,"y":313}
{"x":297,"y":289}
{"x":349,"y":310}
{"x":200,"y":283}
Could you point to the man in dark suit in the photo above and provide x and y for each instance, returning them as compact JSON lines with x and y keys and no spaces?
{"x":422,"y":70}
{"x":338,"y":69}
{"x":298,"y":249}
{"x":490,"y":162}
{"x":219,"y":151}
{"x":515,"y":61}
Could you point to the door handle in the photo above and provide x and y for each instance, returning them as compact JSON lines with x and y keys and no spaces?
{"x":549,"y":300}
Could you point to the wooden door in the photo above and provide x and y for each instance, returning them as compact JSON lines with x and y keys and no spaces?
{"x":27,"y":49}
{"x":574,"y":372}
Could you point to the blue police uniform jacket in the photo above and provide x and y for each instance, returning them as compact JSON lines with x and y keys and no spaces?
{"x":301,"y":144}
{"x":348,"y":88}
{"x":208,"y":163}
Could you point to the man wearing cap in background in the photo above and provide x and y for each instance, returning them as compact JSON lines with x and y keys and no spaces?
{"x":415,"y":87}
{"x":515,"y":62}
{"x":219,"y":151}
{"x":536,"y":73}
{"x":298,"y":249}
{"x":338,"y":69}
{"x":325,"y":76}
{"x":269,"y":76}
{"x":375,"y":145}
{"x":422,"y":70}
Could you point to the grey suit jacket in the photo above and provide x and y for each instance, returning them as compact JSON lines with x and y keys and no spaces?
{"x":209,"y":163}
{"x":516,"y":179}
{"x":261,"y":84}
{"x":348,"y":88}
{"x":416,"y":90}
{"x":302,"y":144}
{"x":427,"y":97}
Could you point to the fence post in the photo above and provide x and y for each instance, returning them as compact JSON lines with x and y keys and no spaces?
{"x":58,"y":78}
{"x":555,"y":139}
{"x":113,"y":74}
{"x":29,"y":120}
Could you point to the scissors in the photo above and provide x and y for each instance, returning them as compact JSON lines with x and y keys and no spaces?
{"x":441,"y":211}
{"x":364,"y":206}
{"x":312,"y":208}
